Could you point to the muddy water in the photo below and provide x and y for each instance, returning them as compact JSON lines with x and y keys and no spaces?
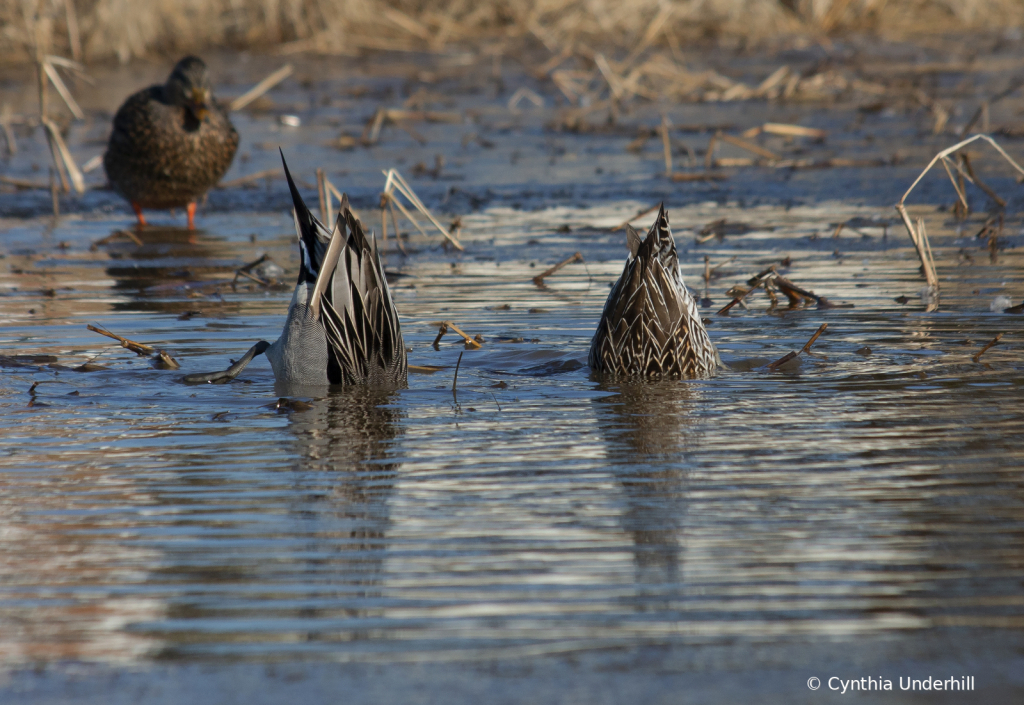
{"x":859,"y":510}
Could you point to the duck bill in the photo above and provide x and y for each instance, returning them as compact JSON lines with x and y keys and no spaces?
{"x":198,"y":105}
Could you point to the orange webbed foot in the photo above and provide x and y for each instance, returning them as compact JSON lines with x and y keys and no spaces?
{"x":138,"y":213}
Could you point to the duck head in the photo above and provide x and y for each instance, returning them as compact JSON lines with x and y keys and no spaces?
{"x":189,"y":87}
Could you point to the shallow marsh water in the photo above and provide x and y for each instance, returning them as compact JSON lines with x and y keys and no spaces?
{"x":858,"y":513}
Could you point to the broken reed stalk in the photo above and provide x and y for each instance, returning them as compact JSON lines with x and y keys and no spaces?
{"x":749,"y":146}
{"x":247,"y":275}
{"x":539,"y":279}
{"x":977,"y":356}
{"x":446,"y":325}
{"x":62,"y":157}
{"x":262,"y":87}
{"x":53,"y":195}
{"x":325,"y":213}
{"x":137,"y":348}
{"x":919,"y":237}
{"x":900,"y":207}
{"x":394,"y":224}
{"x":62,"y":90}
{"x":966,"y":161}
{"x":707,"y":276}
{"x":754,"y":282}
{"x":160,"y":357}
{"x":805,"y":349}
{"x":394,"y":182}
{"x":455,"y":379}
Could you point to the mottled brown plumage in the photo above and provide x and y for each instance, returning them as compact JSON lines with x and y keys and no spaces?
{"x":170,"y":143}
{"x":650,"y":326}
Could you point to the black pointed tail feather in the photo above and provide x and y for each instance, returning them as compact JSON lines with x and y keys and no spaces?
{"x":307,"y":226}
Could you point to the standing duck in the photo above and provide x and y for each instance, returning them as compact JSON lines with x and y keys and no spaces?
{"x":342,"y":326}
{"x":650,"y":326}
{"x":170,"y":143}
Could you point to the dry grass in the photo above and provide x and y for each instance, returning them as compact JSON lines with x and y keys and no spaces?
{"x":101,"y":29}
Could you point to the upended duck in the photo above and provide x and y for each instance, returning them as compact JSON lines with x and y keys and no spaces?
{"x":650,"y":326}
{"x":171,"y":143}
{"x":342,"y":326}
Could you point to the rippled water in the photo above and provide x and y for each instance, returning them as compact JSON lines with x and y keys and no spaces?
{"x":871,"y":491}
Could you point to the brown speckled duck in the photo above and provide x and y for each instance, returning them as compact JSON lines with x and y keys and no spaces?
{"x":170,"y":143}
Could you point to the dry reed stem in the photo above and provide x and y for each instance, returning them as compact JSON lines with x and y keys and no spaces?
{"x":394,"y":220}
{"x":679,"y":176}
{"x":65,"y":155}
{"x":444,"y":328}
{"x":455,"y":379}
{"x":666,"y":144}
{"x":784,"y":130}
{"x":920,"y":238}
{"x":709,"y":155}
{"x":137,"y":348}
{"x":23,"y":183}
{"x":5,"y":126}
{"x":322,"y":194}
{"x":262,"y":87}
{"x":977,"y":356}
{"x":62,"y":90}
{"x":394,"y":182}
{"x":749,"y":146}
{"x":754,"y":282}
{"x":805,"y":349}
{"x":950,"y":150}
{"x":539,"y":279}
{"x":54,"y":198}
{"x":251,"y":277}
{"x":523,"y":93}
{"x":966,"y":161}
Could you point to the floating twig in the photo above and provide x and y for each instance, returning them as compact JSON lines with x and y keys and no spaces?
{"x":977,"y":356}
{"x":137,"y":348}
{"x":160,"y":357}
{"x":539,"y":279}
{"x":262,"y":87}
{"x":805,"y":349}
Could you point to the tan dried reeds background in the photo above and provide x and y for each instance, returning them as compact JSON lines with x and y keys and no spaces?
{"x":124,"y":29}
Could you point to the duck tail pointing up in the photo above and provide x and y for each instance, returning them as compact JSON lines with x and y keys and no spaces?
{"x":306,"y":226}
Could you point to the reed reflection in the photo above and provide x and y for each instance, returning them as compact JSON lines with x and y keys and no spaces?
{"x":649,"y":430}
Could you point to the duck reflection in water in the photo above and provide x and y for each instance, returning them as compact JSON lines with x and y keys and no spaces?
{"x":649,"y":430}
{"x":345,"y":477}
